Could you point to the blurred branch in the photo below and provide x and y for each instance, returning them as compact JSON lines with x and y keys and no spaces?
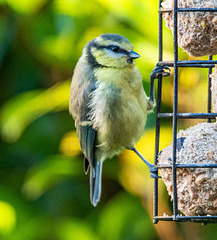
{"x":26,"y":6}
{"x":52,"y":170}
{"x":20,"y":111}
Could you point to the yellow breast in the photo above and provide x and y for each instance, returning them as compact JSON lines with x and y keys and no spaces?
{"x":119,"y":108}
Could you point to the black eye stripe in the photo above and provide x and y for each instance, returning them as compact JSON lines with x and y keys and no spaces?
{"x":121,"y":50}
{"x":115,"y":48}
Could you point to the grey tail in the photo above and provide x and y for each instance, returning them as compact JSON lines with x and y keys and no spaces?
{"x":95,"y":183}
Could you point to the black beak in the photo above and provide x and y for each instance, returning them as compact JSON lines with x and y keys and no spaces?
{"x":133,"y":55}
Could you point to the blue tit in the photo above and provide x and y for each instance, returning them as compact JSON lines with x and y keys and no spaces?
{"x":108,"y":103}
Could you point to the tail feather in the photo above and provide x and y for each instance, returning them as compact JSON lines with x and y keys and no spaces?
{"x":95,"y":183}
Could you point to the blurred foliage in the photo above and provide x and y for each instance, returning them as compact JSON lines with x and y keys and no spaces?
{"x":43,"y":191}
{"x":18,"y":113}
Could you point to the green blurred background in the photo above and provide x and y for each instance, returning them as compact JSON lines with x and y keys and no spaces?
{"x":44,"y":194}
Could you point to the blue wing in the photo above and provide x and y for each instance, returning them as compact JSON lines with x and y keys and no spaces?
{"x":87,"y":137}
{"x":86,"y":134}
{"x":83,"y":84}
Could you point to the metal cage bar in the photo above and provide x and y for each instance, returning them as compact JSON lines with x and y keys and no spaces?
{"x":209,"y":64}
{"x":162,"y":10}
{"x":175,"y":110}
{"x":209,"y":105}
{"x":157,"y":133}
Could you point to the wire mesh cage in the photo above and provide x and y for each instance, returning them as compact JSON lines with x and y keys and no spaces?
{"x":175,"y":115}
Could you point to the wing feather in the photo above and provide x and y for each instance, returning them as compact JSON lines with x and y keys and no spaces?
{"x":87,"y":137}
{"x":82,"y":86}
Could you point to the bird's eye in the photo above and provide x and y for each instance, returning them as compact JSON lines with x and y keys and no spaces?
{"x":115,"y":48}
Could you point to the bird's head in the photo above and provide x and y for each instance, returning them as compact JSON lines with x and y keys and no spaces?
{"x":111,"y":50}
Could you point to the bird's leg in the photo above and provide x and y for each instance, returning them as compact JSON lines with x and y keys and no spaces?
{"x":158,"y":70}
{"x":151,"y":167}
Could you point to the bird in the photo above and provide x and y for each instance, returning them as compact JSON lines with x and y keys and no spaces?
{"x":108,"y":103}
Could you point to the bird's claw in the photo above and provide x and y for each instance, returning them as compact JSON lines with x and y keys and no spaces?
{"x":153,"y":172}
{"x":151,"y":167}
{"x":164,"y":71}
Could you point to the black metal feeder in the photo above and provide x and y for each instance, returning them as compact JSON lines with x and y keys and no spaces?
{"x":159,"y":72}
